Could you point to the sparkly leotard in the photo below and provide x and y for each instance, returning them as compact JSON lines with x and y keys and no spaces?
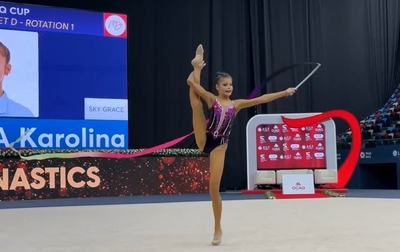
{"x":219,"y":126}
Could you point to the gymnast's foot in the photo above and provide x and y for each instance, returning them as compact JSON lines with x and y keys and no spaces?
{"x":217,"y":238}
{"x":198,"y":62}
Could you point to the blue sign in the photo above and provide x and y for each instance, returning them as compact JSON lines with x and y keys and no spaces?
{"x":64,"y":134}
{"x":63,"y":64}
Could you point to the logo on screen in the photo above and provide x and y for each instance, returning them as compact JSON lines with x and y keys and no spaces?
{"x":308,"y":137}
{"x":295,"y":146}
{"x":262,"y":158}
{"x":318,"y":137}
{"x":115,"y":25}
{"x":319,"y":155}
{"x":309,"y":128}
{"x":263,"y":129}
{"x":275,"y":129}
{"x":262,"y":139}
{"x":273,"y":156}
{"x":320,"y":147}
{"x":288,"y":138}
{"x":308,"y":147}
{"x":308,"y":155}
{"x":284,"y":145}
{"x":319,"y":128}
{"x":297,"y":156}
{"x":276,"y":148}
{"x":272,"y":138}
{"x":265,"y":147}
{"x":297,"y":137}
{"x":287,"y":156}
{"x":284,"y":128}
{"x":294,"y":129}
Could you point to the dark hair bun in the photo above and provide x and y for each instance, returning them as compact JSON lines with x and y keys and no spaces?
{"x":222,"y":75}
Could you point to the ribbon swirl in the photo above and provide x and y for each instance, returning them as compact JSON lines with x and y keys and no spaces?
{"x":162,"y":146}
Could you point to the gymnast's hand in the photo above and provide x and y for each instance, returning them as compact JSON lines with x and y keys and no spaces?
{"x":290,"y":91}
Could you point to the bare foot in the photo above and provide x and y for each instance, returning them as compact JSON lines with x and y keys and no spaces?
{"x":198,"y":58}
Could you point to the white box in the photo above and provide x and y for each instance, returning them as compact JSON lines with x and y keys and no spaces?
{"x":106,"y":109}
{"x":298,"y":184}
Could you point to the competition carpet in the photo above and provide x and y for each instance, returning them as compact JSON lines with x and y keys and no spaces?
{"x":366,"y":221}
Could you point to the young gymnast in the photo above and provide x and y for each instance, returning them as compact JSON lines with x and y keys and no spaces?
{"x":213,"y":138}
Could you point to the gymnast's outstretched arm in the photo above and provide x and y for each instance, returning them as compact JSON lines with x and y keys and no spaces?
{"x":204,"y":94}
{"x":246,"y":103}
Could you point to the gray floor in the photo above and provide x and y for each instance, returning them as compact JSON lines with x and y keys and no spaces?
{"x":363,"y":222}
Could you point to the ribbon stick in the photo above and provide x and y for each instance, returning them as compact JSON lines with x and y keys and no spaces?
{"x":166,"y":145}
{"x":308,"y":76}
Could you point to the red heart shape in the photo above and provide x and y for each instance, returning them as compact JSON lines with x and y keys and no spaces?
{"x":346,"y":170}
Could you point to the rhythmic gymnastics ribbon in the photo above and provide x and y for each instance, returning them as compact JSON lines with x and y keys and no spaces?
{"x":166,"y":145}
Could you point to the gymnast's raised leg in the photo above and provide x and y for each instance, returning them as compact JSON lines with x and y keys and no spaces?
{"x":199,"y":120}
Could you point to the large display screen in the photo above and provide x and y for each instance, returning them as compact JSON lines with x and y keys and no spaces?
{"x":63,"y":75}
{"x":281,"y":147}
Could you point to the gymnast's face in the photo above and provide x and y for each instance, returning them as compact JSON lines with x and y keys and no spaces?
{"x":225,"y":86}
{"x":5,"y":67}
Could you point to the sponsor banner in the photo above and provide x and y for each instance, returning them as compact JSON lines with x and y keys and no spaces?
{"x":279,"y":146}
{"x":102,"y":177}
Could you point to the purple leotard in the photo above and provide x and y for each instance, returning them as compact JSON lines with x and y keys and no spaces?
{"x":219,"y":126}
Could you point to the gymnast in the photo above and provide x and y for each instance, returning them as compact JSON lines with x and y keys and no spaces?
{"x":213,"y":138}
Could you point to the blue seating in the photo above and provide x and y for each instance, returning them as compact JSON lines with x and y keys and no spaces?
{"x":384,"y":124}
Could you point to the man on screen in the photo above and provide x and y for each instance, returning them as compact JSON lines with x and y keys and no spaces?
{"x":9,"y":107}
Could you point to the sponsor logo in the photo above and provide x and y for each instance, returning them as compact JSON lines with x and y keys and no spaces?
{"x":298,"y":186}
{"x":318,"y":137}
{"x":273,"y":157}
{"x":295,"y":146}
{"x":320,"y":147}
{"x":276,"y":148}
{"x":297,"y":137}
{"x":263,"y":129}
{"x":272,"y":138}
{"x":284,"y":145}
{"x":365,"y":155}
{"x":298,"y":156}
{"x":319,"y":128}
{"x":275,"y":129}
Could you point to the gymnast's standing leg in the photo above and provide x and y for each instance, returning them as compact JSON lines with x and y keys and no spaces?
{"x":218,"y":147}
